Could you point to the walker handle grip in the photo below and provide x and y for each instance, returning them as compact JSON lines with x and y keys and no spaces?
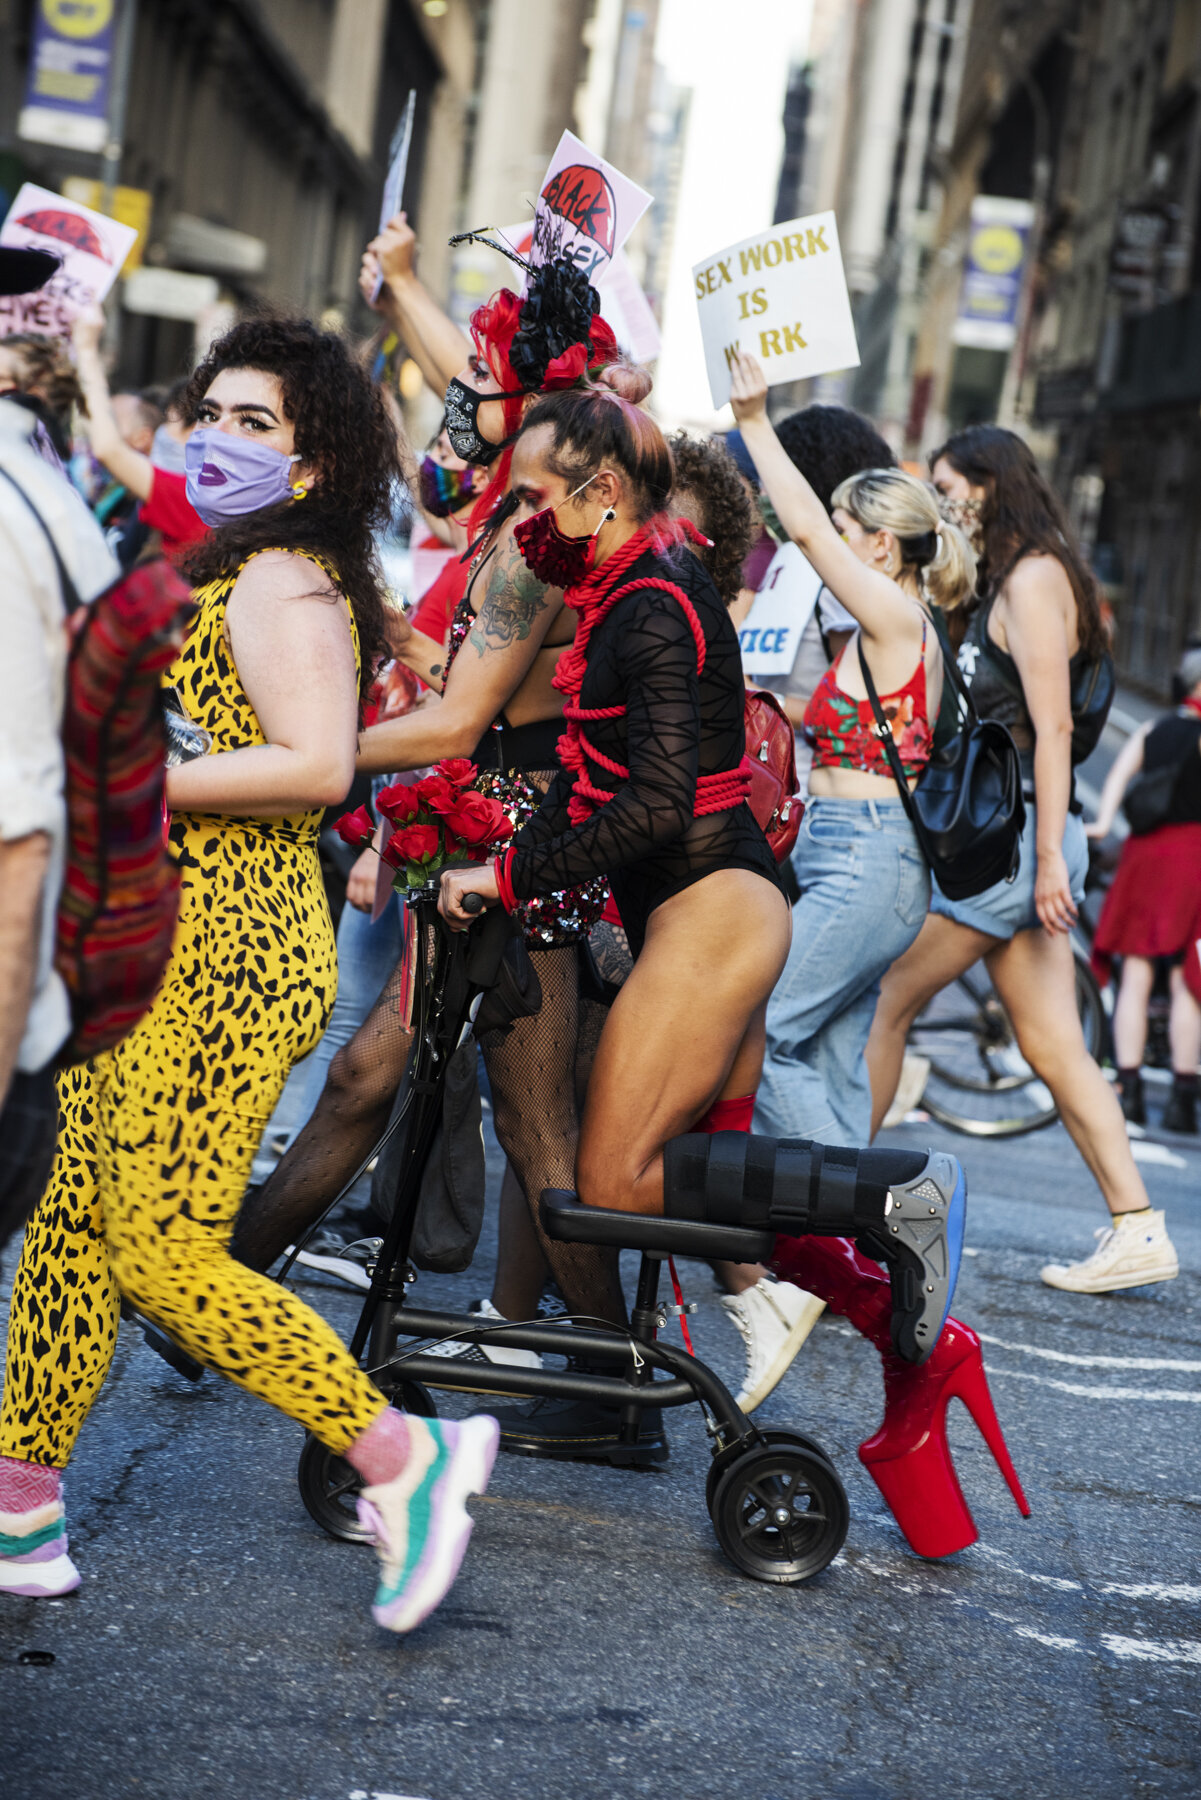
{"x":472,"y":903}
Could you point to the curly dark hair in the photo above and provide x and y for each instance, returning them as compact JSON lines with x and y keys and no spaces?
{"x":706,"y":469}
{"x":343,"y":427}
{"x":1022,"y":514}
{"x":829,"y":444}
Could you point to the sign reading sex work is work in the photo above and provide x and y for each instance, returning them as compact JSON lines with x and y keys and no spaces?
{"x":782,"y":296}
{"x":586,"y":209}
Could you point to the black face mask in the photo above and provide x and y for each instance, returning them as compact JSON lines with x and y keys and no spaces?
{"x":462,"y":423}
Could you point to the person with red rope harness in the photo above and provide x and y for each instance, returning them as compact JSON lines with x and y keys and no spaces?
{"x":650,"y":794}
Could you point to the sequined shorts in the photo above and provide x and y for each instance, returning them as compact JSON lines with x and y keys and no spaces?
{"x":554,"y":920}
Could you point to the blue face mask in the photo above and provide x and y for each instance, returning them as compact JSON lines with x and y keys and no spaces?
{"x":230,"y":476}
{"x":167,"y":452}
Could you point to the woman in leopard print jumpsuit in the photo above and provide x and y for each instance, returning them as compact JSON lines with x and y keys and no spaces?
{"x":157,"y":1136}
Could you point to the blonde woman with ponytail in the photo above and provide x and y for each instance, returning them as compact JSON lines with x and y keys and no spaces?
{"x":865,"y":888}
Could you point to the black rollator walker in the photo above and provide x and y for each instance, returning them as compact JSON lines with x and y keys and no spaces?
{"x":778,"y":1508}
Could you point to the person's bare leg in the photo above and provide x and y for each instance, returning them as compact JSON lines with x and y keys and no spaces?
{"x":1130,"y":1011}
{"x":1035,"y":976}
{"x":940,"y":952}
{"x":686,"y":1029}
{"x":521,"y":1268}
{"x":1184,"y":1027}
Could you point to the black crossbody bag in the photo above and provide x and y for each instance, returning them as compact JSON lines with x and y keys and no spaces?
{"x":967,"y":809}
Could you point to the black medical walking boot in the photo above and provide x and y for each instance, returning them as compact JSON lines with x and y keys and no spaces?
{"x":905,"y":1207}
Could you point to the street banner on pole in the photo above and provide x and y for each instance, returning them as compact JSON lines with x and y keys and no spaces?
{"x":586,"y":209}
{"x":91,"y":247}
{"x":782,"y":296}
{"x":70,"y":73}
{"x":394,"y":181}
{"x":991,"y":298}
{"x":770,"y":634}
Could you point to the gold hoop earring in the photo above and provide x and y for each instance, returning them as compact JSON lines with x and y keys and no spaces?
{"x":299,"y":491}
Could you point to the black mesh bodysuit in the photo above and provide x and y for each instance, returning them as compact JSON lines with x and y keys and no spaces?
{"x":535,"y":1067}
{"x":642,"y":656}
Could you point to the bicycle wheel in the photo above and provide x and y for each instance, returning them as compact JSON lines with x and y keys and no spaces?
{"x":979,"y":1081}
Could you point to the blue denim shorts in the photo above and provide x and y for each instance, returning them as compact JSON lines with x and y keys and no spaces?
{"x":1008,"y":906}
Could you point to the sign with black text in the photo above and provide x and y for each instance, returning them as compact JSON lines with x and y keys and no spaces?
{"x":781,"y":296}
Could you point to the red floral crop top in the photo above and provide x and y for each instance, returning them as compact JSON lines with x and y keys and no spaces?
{"x":843,"y":729}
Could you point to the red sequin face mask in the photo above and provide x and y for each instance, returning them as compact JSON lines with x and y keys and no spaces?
{"x":552,"y":555}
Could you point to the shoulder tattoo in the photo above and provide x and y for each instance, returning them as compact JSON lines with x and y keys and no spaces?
{"x":512,"y":603}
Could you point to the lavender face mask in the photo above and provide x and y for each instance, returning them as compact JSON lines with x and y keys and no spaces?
{"x":229,"y":476}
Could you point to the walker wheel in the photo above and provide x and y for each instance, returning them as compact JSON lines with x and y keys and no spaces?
{"x":329,"y":1486}
{"x":772,"y":1434}
{"x":780,"y":1513}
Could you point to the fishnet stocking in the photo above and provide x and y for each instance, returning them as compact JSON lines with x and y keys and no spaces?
{"x":532,"y":1073}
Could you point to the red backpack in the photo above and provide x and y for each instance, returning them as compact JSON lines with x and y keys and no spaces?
{"x":120,"y":893}
{"x":771,"y":764}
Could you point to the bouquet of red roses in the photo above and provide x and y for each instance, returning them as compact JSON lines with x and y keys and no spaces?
{"x":439,"y":822}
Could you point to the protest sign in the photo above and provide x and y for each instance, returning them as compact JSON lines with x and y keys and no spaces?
{"x":394,"y":181}
{"x":771,"y":632}
{"x":70,"y":73}
{"x":782,"y":296}
{"x":586,"y":209}
{"x":91,"y":247}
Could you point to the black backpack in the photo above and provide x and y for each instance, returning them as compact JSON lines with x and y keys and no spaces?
{"x":967,"y":809}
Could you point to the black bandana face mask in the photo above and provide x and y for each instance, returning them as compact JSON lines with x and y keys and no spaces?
{"x":462,"y":423}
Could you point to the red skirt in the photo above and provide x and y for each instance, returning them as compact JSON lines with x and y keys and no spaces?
{"x":1154,"y":906}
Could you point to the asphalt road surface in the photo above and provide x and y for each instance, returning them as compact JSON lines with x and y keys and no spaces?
{"x":598,"y":1647}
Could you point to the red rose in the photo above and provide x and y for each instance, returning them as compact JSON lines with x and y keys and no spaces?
{"x":417,"y":843}
{"x":398,"y":803}
{"x":479,"y":820}
{"x":459,"y":770}
{"x":391,"y":852}
{"x":437,"y":793}
{"x":565,"y":370}
{"x":357,"y":827}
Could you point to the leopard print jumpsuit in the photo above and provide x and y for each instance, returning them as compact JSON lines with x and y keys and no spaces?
{"x":157,"y":1136}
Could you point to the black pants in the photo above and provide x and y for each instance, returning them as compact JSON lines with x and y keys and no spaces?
{"x":28,"y":1128}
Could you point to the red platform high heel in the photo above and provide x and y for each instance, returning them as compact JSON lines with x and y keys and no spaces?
{"x":908,"y":1458}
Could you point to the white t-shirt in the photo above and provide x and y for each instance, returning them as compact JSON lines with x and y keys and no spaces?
{"x":33,"y":656}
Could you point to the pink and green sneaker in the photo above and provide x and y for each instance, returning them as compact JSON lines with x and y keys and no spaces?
{"x":33,"y":1553}
{"x":420,"y":1520}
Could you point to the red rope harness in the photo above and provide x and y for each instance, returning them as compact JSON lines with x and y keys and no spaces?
{"x":593,"y":598}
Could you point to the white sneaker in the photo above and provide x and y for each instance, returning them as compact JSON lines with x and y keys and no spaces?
{"x":483,"y":1351}
{"x":774,"y":1318}
{"x":352,"y":1263}
{"x":33,"y":1553}
{"x":1132,"y":1252}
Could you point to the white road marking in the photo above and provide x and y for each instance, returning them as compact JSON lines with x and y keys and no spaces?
{"x":1096,"y":1393}
{"x":1181,"y":1650}
{"x":1144,"y":1151}
{"x":1052,"y":1643}
{"x":1152,"y":1363}
{"x":1153,"y":1590}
